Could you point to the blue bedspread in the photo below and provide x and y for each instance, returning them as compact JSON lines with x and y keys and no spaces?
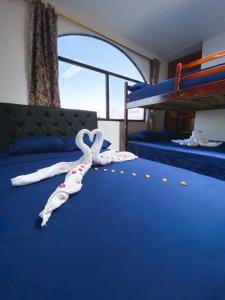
{"x":121,"y":237}
{"x":203,"y":160}
{"x":167,"y":86}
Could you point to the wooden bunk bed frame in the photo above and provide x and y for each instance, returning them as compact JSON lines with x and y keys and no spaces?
{"x":205,"y":96}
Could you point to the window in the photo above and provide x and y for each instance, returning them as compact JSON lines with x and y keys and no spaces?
{"x":80,"y":87}
{"x":116,"y":101}
{"x":92,"y":73}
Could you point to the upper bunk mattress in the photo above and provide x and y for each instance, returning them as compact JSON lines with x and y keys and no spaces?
{"x":150,"y":90}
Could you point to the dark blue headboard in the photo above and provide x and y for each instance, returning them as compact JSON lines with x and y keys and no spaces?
{"x":24,"y":121}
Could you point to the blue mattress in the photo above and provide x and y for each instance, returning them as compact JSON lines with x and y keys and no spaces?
{"x":121,"y":237}
{"x":203,"y":160}
{"x":150,"y":90}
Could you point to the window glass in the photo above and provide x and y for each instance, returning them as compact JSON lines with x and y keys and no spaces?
{"x":95,"y":52}
{"x":116,"y":101}
{"x":82,"y":89}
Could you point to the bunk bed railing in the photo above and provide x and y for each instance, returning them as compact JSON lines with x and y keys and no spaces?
{"x":180,"y":68}
{"x":125,"y":115}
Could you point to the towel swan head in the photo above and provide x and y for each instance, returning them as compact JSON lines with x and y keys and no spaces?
{"x":94,"y":134}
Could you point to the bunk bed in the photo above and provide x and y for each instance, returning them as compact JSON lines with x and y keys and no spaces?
{"x":200,"y":90}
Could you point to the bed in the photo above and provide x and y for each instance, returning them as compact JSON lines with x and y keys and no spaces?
{"x":201,"y":90}
{"x":202,"y":160}
{"x":121,"y":237}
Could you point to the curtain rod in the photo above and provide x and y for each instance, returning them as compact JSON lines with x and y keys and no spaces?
{"x":94,"y":31}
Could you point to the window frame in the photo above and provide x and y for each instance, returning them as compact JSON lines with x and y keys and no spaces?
{"x":107,"y":74}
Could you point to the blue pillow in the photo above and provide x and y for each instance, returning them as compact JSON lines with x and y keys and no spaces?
{"x":38,"y":144}
{"x":137,"y":136}
{"x":152,"y":136}
{"x":3,"y":155}
{"x":71,"y":146}
{"x":162,"y":135}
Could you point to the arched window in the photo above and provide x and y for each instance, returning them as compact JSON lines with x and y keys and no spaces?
{"x":92,"y":73}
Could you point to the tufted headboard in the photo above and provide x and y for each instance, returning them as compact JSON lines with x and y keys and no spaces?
{"x":24,"y":121}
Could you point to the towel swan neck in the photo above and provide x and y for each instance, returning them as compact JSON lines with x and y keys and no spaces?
{"x":97,"y":145}
{"x":79,"y":140}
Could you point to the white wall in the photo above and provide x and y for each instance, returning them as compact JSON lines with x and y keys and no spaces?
{"x":212,"y":45}
{"x":13,"y":51}
{"x":212,"y":122}
{"x":14,"y":17}
{"x":111,"y":132}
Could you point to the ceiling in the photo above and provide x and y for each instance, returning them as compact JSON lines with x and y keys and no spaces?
{"x":164,"y":27}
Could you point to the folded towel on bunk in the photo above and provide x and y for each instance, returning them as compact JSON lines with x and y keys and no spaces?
{"x":197,"y":139}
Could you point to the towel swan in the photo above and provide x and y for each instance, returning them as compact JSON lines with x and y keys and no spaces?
{"x":197,"y":139}
{"x":76,"y":170}
{"x":64,"y":167}
{"x":56,"y":169}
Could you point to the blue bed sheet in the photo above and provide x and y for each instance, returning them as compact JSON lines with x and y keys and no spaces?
{"x":167,"y":86}
{"x":121,"y":237}
{"x":203,"y":160}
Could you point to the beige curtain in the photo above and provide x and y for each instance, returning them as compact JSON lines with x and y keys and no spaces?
{"x":43,"y":58}
{"x":151,"y":120}
{"x":154,"y":77}
{"x":154,"y":70}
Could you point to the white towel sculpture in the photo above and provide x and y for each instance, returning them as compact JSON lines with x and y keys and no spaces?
{"x":76,"y":170}
{"x":197,"y":139}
